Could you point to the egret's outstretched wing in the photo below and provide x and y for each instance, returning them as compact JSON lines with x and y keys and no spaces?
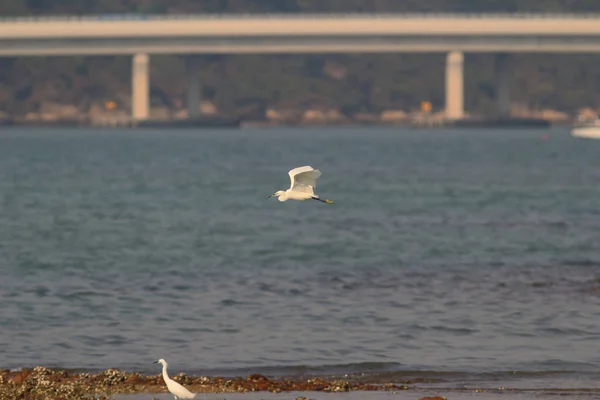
{"x":304,"y":179}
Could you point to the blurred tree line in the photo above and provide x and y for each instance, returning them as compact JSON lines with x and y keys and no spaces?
{"x":369,"y":82}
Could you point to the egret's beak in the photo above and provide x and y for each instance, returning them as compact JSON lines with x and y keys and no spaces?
{"x":155,"y":362}
{"x":268,"y":197}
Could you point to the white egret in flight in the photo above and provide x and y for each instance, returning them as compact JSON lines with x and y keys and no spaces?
{"x":303,"y":184}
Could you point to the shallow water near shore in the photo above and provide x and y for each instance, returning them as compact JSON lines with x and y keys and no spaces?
{"x":471,"y":254}
{"x":278,"y":396}
{"x":410,"y":395}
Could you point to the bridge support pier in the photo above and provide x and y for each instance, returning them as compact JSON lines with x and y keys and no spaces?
{"x":503,"y":69}
{"x":192,"y":64}
{"x":140,"y":87}
{"x":454,"y":85}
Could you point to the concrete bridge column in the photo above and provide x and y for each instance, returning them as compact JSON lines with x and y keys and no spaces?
{"x":140,"y":87}
{"x":454,"y":85}
{"x":193,"y":85}
{"x":503,"y":69}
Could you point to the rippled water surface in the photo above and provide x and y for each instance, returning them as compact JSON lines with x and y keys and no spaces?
{"x":457,"y":252}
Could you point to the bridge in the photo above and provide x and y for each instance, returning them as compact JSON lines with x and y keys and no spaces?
{"x":453,"y":34}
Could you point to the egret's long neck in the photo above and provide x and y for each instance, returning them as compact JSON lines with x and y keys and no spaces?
{"x":164,"y":372}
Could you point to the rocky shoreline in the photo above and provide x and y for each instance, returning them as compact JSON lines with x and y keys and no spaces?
{"x":232,"y":122}
{"x":57,"y":384}
{"x":41,"y":383}
{"x":111,"y":116}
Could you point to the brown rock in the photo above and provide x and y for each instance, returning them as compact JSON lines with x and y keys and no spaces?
{"x":257,"y":378}
{"x":20,"y":377}
{"x":133,"y":379}
{"x":55,"y":377}
{"x":433,"y":398}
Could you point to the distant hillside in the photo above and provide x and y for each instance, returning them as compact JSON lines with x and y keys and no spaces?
{"x":369,"y":83}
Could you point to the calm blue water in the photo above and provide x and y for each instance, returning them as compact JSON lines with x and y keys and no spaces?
{"x":458,"y":252}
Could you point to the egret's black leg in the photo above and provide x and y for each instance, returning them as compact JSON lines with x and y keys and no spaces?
{"x":327,"y":201}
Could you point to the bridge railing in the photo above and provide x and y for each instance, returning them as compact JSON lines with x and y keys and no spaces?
{"x":154,"y":17}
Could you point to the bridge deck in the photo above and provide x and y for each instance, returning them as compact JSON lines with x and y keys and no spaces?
{"x":568,"y":25}
{"x":299,"y":33}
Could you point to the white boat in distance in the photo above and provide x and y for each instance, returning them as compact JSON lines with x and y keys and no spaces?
{"x":588,"y":130}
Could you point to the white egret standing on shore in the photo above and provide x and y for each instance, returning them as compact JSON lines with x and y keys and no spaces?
{"x":175,"y":388}
{"x":303,"y":184}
